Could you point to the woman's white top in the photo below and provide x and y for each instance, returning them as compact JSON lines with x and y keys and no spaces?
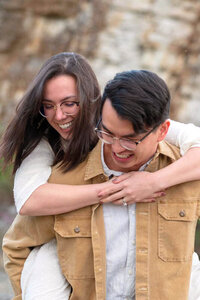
{"x":33,"y":172}
{"x":36,"y":168}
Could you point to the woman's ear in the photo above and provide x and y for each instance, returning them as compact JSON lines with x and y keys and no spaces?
{"x":163,"y":129}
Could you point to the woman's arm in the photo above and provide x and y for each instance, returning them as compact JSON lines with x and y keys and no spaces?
{"x":34,"y":196}
{"x":184,"y":169}
{"x":185,"y":136}
{"x":68,"y":198}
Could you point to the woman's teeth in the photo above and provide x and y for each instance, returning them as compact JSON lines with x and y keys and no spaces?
{"x":65,"y":126}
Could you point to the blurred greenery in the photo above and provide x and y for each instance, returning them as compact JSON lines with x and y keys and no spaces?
{"x":197,"y":241}
{"x":6,"y":178}
{"x":6,"y":184}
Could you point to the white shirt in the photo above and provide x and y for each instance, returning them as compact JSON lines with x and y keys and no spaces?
{"x":120,"y":229}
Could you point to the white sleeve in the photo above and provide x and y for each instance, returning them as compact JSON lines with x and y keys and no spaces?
{"x":184,"y":136}
{"x":194,"y":289}
{"x":33,"y":172}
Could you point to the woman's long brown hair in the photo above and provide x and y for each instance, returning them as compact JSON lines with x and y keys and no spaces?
{"x":28,"y":127}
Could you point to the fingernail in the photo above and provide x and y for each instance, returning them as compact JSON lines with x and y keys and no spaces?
{"x":115,"y":180}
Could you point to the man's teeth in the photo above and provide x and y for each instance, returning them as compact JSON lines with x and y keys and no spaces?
{"x":122,"y":155}
{"x":65,"y":126}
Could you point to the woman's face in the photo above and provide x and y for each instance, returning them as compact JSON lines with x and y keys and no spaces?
{"x":60,"y":104}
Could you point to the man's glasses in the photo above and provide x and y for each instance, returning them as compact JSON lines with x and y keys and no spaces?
{"x":47,"y":110}
{"x":126,"y":143}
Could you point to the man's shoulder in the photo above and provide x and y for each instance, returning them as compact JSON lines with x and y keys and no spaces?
{"x":169,"y":150}
{"x":165,"y":155}
{"x":184,"y":191}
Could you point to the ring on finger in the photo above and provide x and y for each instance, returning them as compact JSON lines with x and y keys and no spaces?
{"x":124,"y":202}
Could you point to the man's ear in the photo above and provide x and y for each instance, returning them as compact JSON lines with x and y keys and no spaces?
{"x":162,"y":130}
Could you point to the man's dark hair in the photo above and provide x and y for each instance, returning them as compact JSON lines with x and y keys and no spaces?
{"x":139,"y":96}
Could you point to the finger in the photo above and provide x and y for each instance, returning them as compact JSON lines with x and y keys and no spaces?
{"x":118,"y":202}
{"x":142,"y":201}
{"x":159,"y":194}
{"x":149,"y":200}
{"x":113,"y":197}
{"x":121,"y":178}
{"x":109,"y":191}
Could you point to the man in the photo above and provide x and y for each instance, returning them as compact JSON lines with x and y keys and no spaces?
{"x":120,"y":252}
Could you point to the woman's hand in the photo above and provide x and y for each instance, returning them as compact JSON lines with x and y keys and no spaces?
{"x":131,"y":187}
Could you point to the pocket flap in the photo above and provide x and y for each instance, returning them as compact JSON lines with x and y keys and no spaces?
{"x":178,"y":211}
{"x":77,"y":226}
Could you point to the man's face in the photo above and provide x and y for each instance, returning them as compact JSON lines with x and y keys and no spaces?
{"x":120,"y":159}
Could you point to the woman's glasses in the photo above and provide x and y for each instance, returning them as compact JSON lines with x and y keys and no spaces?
{"x":48,"y":109}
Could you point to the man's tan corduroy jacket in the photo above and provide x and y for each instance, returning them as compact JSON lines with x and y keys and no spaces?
{"x":165,"y":232}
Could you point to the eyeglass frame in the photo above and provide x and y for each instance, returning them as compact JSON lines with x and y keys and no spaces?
{"x":119,"y":139}
{"x":55,"y":107}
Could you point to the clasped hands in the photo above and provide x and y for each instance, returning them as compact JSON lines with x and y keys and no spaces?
{"x":131,"y":188}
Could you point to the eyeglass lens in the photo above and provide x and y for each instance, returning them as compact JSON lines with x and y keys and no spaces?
{"x":109,"y":139}
{"x":67,"y":107}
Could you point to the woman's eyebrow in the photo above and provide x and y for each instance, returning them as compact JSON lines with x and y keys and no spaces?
{"x":66,"y":98}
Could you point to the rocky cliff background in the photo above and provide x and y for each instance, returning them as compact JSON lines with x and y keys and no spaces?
{"x":115,"y":35}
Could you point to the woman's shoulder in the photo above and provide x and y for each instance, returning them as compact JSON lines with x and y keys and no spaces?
{"x":33,"y":172}
{"x":42,"y":155}
{"x":43,"y":146}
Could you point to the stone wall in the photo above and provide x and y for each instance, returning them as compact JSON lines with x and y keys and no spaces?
{"x":160,"y":35}
{"x":33,"y":30}
{"x":114,"y":35}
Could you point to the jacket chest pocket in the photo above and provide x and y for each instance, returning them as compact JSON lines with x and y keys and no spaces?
{"x":74,"y":245}
{"x":176,"y":230}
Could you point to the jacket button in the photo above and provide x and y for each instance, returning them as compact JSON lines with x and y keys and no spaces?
{"x":182,"y":213}
{"x":77,"y":229}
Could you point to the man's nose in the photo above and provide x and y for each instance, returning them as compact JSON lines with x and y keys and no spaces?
{"x":116,"y":146}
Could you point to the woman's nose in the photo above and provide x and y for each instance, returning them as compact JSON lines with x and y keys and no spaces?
{"x":59,"y":115}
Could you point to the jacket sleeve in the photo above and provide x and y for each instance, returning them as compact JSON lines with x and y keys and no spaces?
{"x":25,"y":232}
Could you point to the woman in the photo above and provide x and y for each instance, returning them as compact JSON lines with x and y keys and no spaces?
{"x":61,"y":105}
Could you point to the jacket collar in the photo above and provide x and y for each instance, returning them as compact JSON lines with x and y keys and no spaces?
{"x":166,"y":149}
{"x":94,"y":166}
